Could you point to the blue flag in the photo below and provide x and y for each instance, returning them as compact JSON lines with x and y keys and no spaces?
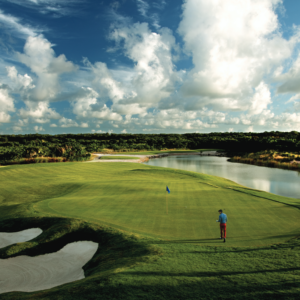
{"x":168,"y":190}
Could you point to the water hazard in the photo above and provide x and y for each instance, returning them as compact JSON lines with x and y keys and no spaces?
{"x":276,"y":181}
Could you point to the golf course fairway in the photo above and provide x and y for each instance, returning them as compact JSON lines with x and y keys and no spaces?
{"x":143,"y":252}
{"x":133,"y":198}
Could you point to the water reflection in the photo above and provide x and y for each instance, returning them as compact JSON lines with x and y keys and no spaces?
{"x":276,"y":181}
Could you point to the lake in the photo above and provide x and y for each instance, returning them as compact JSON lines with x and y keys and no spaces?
{"x":276,"y":181}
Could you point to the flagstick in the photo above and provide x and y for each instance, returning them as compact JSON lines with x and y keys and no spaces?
{"x":167,"y":201}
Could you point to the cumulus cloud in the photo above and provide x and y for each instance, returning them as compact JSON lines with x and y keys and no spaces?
{"x":175,"y":119}
{"x":87,"y":106}
{"x":65,"y":123}
{"x":6,"y":105}
{"x":237,"y":51}
{"x":154,"y":75}
{"x":104,"y":81}
{"x":17,"y":128}
{"x":21,"y":81}
{"x":234,"y":44}
{"x":38,"y":128}
{"x":287,"y":120}
{"x":290,"y":79}
{"x":249,"y":129}
{"x":40,"y":58}
{"x":260,"y":100}
{"x":40,"y":112}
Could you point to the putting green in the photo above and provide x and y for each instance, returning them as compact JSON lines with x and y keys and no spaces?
{"x":133,"y":198}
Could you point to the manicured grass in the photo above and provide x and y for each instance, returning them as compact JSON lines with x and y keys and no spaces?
{"x":105,"y":157}
{"x":133,"y":198}
{"x":174,"y":256}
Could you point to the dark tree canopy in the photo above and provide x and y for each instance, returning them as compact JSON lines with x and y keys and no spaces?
{"x":13,"y":147}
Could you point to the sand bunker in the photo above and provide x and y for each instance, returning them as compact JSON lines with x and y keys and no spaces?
{"x":29,"y":274}
{"x":9,"y":238}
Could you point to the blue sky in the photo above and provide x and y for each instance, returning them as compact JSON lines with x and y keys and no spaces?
{"x":137,"y":66}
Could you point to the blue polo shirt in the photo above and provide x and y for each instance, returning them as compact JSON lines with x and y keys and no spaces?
{"x":222,"y":218}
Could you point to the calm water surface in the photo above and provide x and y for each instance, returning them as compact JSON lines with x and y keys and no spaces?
{"x":276,"y":181}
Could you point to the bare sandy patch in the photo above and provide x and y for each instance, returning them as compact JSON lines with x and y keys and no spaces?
{"x":101,"y":158}
{"x":29,"y":274}
{"x":9,"y":238}
{"x":143,"y":158}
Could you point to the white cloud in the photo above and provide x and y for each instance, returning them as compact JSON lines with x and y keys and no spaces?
{"x":143,"y":7}
{"x":84,"y":125}
{"x":22,"y":81}
{"x":249,"y":129}
{"x":234,"y":45}
{"x":124,"y":131}
{"x":233,"y":121}
{"x":40,"y":58}
{"x":288,"y":120}
{"x":38,"y":128}
{"x":17,"y":128}
{"x":261,"y":99}
{"x":293,"y":98}
{"x":40,"y":112}
{"x":56,"y":8}
{"x":96,"y":131}
{"x":6,"y":105}
{"x":129,"y":109}
{"x":154,"y":75}
{"x":88,"y":107}
{"x":290,"y":79}
{"x":104,"y":81}
{"x":65,"y":123}
{"x":14,"y":24}
{"x":175,"y":119}
{"x":53,"y":125}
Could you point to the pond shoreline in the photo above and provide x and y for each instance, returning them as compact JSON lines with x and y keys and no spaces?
{"x":292,"y":166}
{"x":272,"y":180}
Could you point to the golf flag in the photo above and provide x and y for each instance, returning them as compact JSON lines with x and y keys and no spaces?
{"x":168,"y":190}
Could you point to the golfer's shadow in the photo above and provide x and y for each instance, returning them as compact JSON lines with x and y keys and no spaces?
{"x":197,"y":241}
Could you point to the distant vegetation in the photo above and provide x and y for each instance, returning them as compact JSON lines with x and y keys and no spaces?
{"x":77,"y":147}
{"x":270,"y":158}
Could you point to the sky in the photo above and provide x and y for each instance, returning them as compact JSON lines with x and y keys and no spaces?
{"x":138,"y":66}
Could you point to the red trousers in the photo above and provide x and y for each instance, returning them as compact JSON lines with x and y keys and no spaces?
{"x":223,"y":230}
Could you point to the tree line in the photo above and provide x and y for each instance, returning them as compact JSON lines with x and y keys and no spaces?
{"x":79,"y":146}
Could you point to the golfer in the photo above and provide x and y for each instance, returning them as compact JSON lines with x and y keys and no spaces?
{"x":223,"y":221}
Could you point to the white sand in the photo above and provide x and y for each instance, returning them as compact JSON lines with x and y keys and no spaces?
{"x":144,"y":157}
{"x":9,"y":238}
{"x":29,"y":274}
{"x":97,"y":159}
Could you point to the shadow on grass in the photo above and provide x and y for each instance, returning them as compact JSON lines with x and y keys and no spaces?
{"x":221,"y":287}
{"x":211,"y":274}
{"x":293,"y":237}
{"x":197,"y":241}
